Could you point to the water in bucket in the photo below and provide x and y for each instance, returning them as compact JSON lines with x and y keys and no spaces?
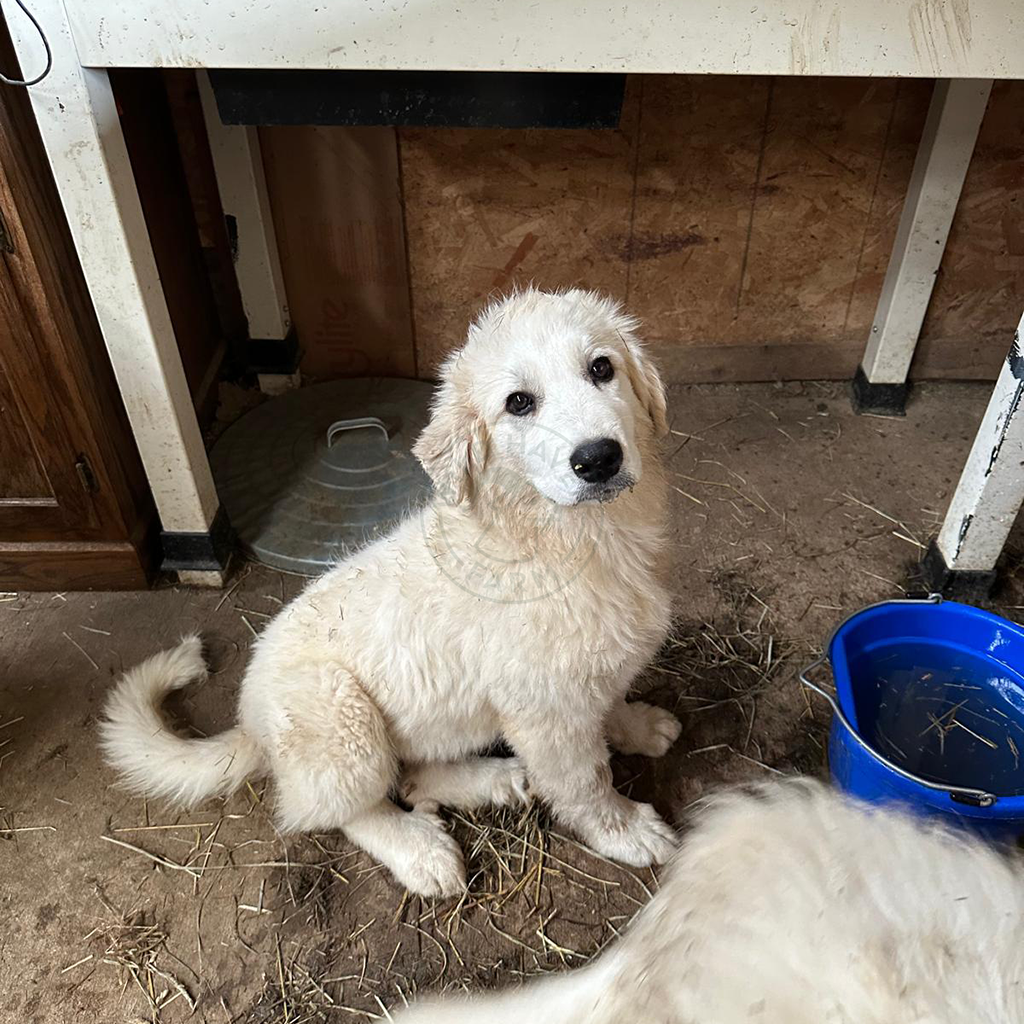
{"x":943,"y":714}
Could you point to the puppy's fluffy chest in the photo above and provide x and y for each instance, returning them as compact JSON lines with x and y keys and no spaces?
{"x":609,"y":619}
{"x":435,"y":610}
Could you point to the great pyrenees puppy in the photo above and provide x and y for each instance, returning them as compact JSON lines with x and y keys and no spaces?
{"x":519,"y":605}
{"x":795,"y":905}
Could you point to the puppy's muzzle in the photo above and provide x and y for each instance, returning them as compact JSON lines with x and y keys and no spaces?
{"x":596,"y":462}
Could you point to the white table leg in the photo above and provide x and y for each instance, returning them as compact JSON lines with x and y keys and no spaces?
{"x":242,"y":184}
{"x":943,"y":156}
{"x":78,"y":121}
{"x":962,"y":560}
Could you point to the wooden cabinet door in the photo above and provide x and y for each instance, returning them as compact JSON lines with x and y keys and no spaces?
{"x":46,"y":483}
{"x":75,"y":511}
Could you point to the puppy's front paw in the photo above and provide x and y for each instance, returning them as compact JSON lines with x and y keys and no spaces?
{"x":640,"y":838}
{"x":433,"y":865}
{"x":640,"y":728}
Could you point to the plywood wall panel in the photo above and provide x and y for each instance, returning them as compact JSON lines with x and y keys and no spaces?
{"x":489,"y":208}
{"x":739,"y":212}
{"x":337,"y":205}
{"x":906,"y":118}
{"x":790,"y":192}
{"x":700,"y":144}
{"x":824,"y":142}
{"x":979,"y":292}
{"x":747,"y":221}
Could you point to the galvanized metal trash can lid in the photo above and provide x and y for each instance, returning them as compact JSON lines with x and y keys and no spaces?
{"x":307,"y":477}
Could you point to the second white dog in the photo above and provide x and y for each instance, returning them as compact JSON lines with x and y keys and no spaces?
{"x":521,"y":603}
{"x":794,"y":905}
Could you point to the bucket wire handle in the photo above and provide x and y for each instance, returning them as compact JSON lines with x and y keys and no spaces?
{"x":805,"y":672}
{"x":974,"y":797}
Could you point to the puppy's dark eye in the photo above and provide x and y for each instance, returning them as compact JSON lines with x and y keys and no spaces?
{"x":519,"y":403}
{"x":601,"y":369}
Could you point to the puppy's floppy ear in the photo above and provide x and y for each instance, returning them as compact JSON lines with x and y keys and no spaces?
{"x":453,"y":445}
{"x":646,"y":383}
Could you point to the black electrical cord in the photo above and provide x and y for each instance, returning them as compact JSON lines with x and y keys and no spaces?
{"x":46,"y":44}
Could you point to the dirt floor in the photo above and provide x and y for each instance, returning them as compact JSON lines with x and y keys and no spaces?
{"x":789,"y":513}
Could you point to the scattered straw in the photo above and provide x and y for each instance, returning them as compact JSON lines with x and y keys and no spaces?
{"x":902,"y":531}
{"x":742,"y":663}
{"x":155,"y":857}
{"x":162,"y":828}
{"x":75,"y":643}
{"x":297,"y":991}
{"x":686,"y":494}
{"x":891,"y":583}
{"x":26,"y":828}
{"x":135,"y":945}
{"x":241,"y":579}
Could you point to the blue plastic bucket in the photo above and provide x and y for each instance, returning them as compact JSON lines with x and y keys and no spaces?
{"x":929,"y":711}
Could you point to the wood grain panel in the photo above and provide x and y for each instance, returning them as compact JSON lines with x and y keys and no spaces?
{"x":71,"y":566}
{"x":336,"y":200}
{"x":159,"y":171}
{"x":774,"y":186}
{"x":489,"y":208}
{"x":902,"y":134}
{"x":34,"y":363}
{"x":186,"y":111}
{"x":701,"y":144}
{"x":22,"y":474}
{"x":824,"y":143}
{"x":55,"y":363}
{"x":979,"y":291}
{"x":747,"y":221}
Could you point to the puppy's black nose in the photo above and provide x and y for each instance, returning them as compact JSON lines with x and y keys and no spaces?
{"x":597,"y":461}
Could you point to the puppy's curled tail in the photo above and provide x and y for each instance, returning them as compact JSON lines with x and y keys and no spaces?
{"x":153,"y":760}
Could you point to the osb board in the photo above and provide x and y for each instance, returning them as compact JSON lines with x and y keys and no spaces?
{"x":486,"y":208}
{"x":747,"y":221}
{"x":700,"y":153}
{"x":906,"y":117}
{"x":979,"y":292}
{"x":788,"y":194}
{"x":336,"y":200}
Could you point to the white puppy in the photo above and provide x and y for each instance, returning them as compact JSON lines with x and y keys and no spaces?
{"x":520,"y":603}
{"x":796,"y":906}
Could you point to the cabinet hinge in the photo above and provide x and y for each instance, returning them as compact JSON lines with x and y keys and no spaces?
{"x":86,"y":475}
